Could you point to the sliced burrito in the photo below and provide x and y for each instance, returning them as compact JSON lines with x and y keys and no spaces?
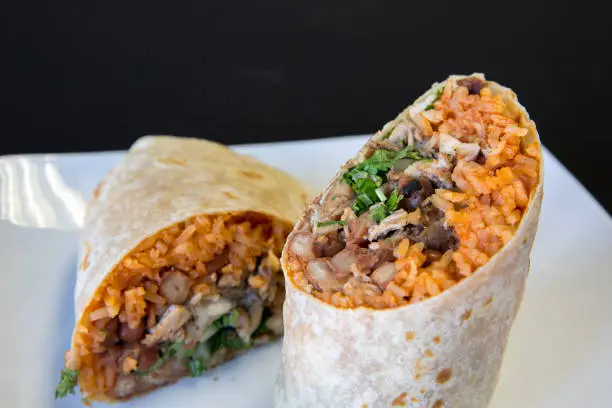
{"x":405,"y":274}
{"x":179,"y":266}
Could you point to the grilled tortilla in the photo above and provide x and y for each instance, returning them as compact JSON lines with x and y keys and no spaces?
{"x":405,"y":274}
{"x":179,"y":267}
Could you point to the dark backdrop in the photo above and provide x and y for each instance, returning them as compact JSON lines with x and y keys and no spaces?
{"x":95,"y":75}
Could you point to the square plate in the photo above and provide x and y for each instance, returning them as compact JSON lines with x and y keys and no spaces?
{"x":558,"y":355}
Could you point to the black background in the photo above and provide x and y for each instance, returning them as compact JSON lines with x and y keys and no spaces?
{"x":94,"y":75}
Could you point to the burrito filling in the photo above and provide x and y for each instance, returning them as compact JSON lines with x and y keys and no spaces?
{"x":438,"y":192}
{"x":188,"y":298}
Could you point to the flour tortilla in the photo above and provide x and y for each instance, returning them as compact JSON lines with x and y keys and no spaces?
{"x":443,"y":352}
{"x":164,"y":180}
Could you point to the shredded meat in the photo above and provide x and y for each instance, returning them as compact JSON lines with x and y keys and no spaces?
{"x":396,"y":221}
{"x":169,"y":326}
{"x":358,"y":230}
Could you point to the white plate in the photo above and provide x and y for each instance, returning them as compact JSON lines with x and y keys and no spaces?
{"x":559,"y":354}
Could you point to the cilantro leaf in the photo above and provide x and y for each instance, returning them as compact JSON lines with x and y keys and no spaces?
{"x":228,"y":338}
{"x":378,"y":212}
{"x":195,"y":366}
{"x":165,"y":353}
{"x":367,"y":177}
{"x":227,"y":320}
{"x":394,"y":200}
{"x":68,"y":380}
{"x":438,"y":95}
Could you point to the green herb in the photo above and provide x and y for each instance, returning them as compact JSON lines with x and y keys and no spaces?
{"x":322,"y":224}
{"x":165,"y":353}
{"x":394,"y":200}
{"x":68,"y":380}
{"x":227,"y":320}
{"x":378,"y":212}
{"x":227,"y":338}
{"x":438,"y":95}
{"x":367,"y":177}
{"x":85,"y":401}
{"x":196,"y":366}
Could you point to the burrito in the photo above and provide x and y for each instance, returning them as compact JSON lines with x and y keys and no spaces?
{"x":405,"y":274}
{"x":179,"y":266}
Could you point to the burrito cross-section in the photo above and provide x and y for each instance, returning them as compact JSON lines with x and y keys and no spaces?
{"x":179,"y":266}
{"x":405,"y":274}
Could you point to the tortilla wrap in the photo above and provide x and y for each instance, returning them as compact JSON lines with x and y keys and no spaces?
{"x":162,"y":182}
{"x":445,"y":351}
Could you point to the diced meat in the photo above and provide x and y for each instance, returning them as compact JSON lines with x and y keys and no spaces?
{"x":358,"y":230}
{"x":415,"y":191}
{"x":384,"y":274}
{"x":302,"y":245}
{"x":126,"y":333}
{"x":473,"y":84}
{"x":320,"y":273}
{"x":328,"y":245}
{"x":343,"y":262}
{"x":175,"y":287}
{"x":169,"y":324}
{"x":435,"y":236}
{"x":396,"y":221}
{"x":361,"y":260}
{"x":204,"y":313}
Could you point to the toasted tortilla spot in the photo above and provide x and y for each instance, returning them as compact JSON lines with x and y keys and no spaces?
{"x":436,"y":340}
{"x":417,"y":376}
{"x":438,"y":404}
{"x":422,"y":390}
{"x":229,"y":195}
{"x":399,"y":401}
{"x":444,"y":376}
{"x":85,"y":262}
{"x":251,"y":174}
{"x":414,"y":399}
{"x":364,"y":405}
{"x":429,"y":353}
{"x":488,"y":302}
{"x":410,"y":336}
{"x":466,"y":315}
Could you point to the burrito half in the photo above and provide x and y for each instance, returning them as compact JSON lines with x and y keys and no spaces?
{"x":405,"y":274}
{"x":179,"y":267}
